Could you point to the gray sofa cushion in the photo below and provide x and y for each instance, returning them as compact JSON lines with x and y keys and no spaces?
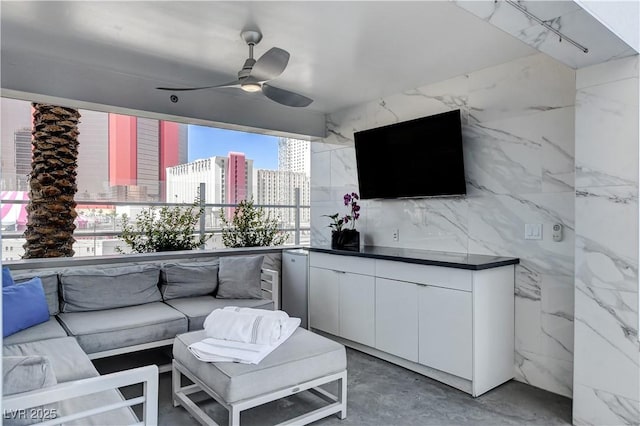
{"x":26,"y":373}
{"x":304,"y":356}
{"x":69,"y":362}
{"x":196,"y":309}
{"x":189,"y":279}
{"x":239,"y":277}
{"x":98,"y":331}
{"x":50,"y":285}
{"x":46,"y":330}
{"x":93,"y":289}
{"x":23,"y":374}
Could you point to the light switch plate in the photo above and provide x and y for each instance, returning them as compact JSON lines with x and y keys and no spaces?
{"x":533,"y":231}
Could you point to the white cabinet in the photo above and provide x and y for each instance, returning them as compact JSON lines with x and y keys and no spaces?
{"x":445,"y":330}
{"x":324,"y":300}
{"x":454,"y":325}
{"x":342,"y":303}
{"x":397,"y":318}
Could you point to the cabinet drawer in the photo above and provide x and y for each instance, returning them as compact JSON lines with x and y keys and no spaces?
{"x":353,"y":264}
{"x":438,"y":276}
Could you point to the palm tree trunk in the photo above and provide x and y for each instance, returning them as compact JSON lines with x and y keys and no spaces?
{"x":51,"y":209}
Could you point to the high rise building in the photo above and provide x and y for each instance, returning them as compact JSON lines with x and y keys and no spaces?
{"x":22,"y":149}
{"x":227,"y":180}
{"x":140,"y":150}
{"x":15,"y":114}
{"x":294,"y":156}
{"x":278,"y":187}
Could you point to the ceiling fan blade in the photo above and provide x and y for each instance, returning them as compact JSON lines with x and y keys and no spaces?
{"x":185,"y":89}
{"x":285,"y":97}
{"x":270,"y":65}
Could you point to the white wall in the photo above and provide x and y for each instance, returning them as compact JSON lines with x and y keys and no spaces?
{"x":519,"y":147}
{"x":607,"y":357}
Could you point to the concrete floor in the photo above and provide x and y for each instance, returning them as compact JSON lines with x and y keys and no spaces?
{"x":380,"y":393}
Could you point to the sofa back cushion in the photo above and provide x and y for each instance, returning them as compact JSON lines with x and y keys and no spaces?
{"x":50,"y":284}
{"x":92,"y":289}
{"x":239,"y":277}
{"x":189,"y":279}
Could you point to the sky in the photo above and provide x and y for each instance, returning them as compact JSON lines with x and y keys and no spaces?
{"x":205,"y":142}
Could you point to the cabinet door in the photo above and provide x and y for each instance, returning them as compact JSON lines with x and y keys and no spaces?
{"x":324,"y":300}
{"x":397,"y":318}
{"x":357,"y":304}
{"x":445,"y":330}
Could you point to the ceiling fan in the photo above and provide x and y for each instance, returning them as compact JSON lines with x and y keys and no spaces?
{"x":255,"y":75}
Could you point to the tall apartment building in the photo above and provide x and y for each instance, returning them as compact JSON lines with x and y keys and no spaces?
{"x":227,"y":180}
{"x":14,"y":116}
{"x":140,"y":150}
{"x":278,"y":187}
{"x":294,"y":156}
{"x":22,"y":149}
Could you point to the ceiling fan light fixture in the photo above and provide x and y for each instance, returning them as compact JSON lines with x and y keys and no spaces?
{"x":251,"y":87}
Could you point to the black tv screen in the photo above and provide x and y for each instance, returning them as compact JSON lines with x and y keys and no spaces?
{"x":417,"y":158}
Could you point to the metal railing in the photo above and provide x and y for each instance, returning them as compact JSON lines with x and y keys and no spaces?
{"x":109,"y":226}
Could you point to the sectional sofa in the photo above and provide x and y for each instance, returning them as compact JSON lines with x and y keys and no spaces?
{"x":103,"y":310}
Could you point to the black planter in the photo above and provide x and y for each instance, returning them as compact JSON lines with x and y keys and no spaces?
{"x":348,"y":239}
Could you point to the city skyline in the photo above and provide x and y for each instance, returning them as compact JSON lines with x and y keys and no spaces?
{"x":206,"y":142}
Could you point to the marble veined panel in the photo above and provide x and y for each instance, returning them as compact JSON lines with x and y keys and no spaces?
{"x":607,"y":72}
{"x":525,"y":86}
{"x":606,"y":335}
{"x":592,"y":407}
{"x":320,"y":231}
{"x":607,"y":134}
{"x":344,"y":173}
{"x":544,"y":372}
{"x":499,"y":162}
{"x":421,"y":102}
{"x":496,"y":225}
{"x":526,"y":154}
{"x":320,"y":181}
{"x":557,"y":317}
{"x":428,"y":224}
{"x":607,"y":242}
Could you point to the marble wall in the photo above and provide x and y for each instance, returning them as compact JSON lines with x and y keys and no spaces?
{"x":518,"y":136}
{"x":607,"y":358}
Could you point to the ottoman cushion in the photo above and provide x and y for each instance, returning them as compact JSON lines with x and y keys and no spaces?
{"x":304,"y":356}
{"x":196,"y":309}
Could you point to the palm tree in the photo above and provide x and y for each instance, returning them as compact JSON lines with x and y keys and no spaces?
{"x":52,"y":183}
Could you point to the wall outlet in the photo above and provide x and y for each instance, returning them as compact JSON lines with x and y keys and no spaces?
{"x":396,"y":235}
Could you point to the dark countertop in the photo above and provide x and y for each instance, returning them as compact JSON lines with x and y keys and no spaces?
{"x":474,"y":262}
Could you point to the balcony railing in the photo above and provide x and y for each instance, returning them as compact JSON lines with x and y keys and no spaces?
{"x":99,"y":233}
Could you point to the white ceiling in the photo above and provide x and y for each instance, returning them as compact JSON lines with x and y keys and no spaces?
{"x":342,"y":53}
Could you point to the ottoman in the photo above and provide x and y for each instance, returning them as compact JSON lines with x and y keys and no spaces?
{"x":303,"y":362}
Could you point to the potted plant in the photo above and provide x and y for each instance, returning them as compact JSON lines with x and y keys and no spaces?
{"x":343,"y":238}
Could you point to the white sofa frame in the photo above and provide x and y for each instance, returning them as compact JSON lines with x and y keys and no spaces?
{"x":148,"y":376}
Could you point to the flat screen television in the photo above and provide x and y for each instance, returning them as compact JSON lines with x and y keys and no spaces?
{"x":417,"y":158}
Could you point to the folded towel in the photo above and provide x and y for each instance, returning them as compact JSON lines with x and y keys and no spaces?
{"x":260,"y":327}
{"x":253,"y":311}
{"x":218,"y":350}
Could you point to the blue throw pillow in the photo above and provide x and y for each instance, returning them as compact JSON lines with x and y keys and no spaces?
{"x":7,"y":279}
{"x":23,"y":305}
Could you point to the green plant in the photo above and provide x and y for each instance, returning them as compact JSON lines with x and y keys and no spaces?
{"x":165,"y":229}
{"x":250,"y":226}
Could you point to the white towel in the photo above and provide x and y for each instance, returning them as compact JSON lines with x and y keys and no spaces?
{"x":218,"y":350}
{"x":255,"y":326}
